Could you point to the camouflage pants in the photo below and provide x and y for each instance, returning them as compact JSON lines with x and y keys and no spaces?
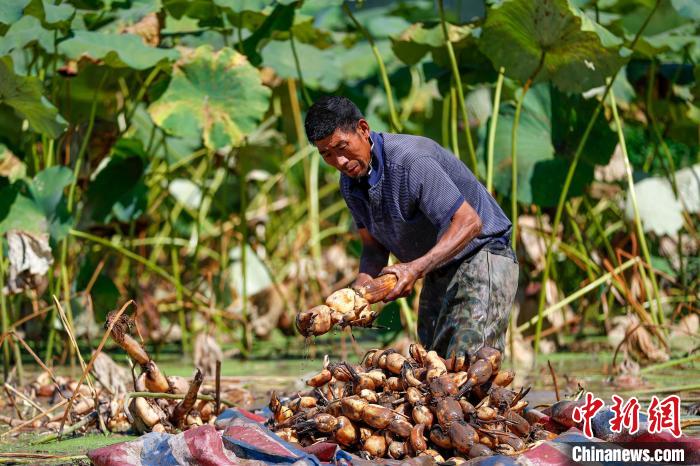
{"x":468,"y":304}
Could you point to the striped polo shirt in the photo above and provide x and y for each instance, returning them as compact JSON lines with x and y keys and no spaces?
{"x":413,"y":189}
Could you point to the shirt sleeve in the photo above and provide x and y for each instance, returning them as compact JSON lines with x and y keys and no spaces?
{"x":434,"y":192}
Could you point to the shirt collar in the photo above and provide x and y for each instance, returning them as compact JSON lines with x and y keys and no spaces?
{"x":376,"y":162}
{"x":377,"y":158}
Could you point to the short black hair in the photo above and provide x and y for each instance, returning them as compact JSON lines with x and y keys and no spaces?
{"x":329,"y":113}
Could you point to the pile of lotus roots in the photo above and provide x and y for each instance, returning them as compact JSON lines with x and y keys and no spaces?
{"x":392,"y":406}
{"x":161,"y":414}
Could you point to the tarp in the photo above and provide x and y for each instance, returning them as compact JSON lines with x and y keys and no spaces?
{"x":241,"y":438}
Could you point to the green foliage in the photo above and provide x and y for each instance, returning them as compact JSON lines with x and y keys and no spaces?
{"x":576,"y":53}
{"x":115,"y":50}
{"x":125,"y":200}
{"x":19,"y":212}
{"x":196,"y":102}
{"x":46,"y":189}
{"x":25,"y":31}
{"x":24,"y":95}
{"x":551,"y":124}
{"x":11,"y":10}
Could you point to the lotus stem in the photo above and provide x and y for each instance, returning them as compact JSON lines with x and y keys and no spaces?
{"x":577,"y":294}
{"x":4,"y":316}
{"x":445,"y":126}
{"x":247,"y":340}
{"x":453,"y":120}
{"x":304,"y":92}
{"x":394,"y":117}
{"x":460,"y":93}
{"x":671,"y":363}
{"x":492,"y":130}
{"x":514,"y":151}
{"x":567,"y":183}
{"x":658,"y":312}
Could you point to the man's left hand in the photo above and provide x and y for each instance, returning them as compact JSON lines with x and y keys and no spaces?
{"x":406,"y":275}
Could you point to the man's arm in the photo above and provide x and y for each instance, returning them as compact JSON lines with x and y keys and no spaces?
{"x":464,"y":226}
{"x":374,"y":257}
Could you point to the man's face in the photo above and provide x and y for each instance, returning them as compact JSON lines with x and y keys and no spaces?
{"x":347,"y":151}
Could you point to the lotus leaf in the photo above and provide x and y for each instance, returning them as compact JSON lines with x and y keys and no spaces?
{"x":137,"y":10}
{"x":257,"y":276}
{"x":238,"y":6}
{"x":124,"y":200}
{"x":115,"y":50}
{"x":687,"y":8}
{"x":358,"y":62}
{"x":19,"y":212}
{"x":654,"y":192}
{"x":551,"y":125}
{"x":321,"y":68}
{"x":25,"y":31}
{"x":673,"y":41}
{"x":23,"y":94}
{"x":186,"y":192}
{"x":578,"y":53}
{"x":11,"y":10}
{"x":383,"y":26}
{"x":47,"y":191}
{"x":50,"y":12}
{"x":203,"y":10}
{"x":281,"y":19}
{"x":415,"y":41}
{"x":217,"y":95}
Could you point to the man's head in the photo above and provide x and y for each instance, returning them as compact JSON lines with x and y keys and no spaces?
{"x":337,"y":128}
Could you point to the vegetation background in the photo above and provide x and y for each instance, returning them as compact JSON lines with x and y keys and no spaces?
{"x":154,"y":150}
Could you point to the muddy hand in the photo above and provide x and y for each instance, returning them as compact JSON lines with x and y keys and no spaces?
{"x":407,"y":274}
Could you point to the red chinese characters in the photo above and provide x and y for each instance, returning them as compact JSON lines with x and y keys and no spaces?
{"x":625,"y":415}
{"x":586,"y":412}
{"x":665,"y":415}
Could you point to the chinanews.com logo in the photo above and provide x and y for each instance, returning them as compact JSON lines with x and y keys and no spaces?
{"x":643,"y":441}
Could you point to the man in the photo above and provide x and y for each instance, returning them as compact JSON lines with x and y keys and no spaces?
{"x":411,"y":197}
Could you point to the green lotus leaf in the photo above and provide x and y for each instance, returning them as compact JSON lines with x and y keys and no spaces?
{"x":47,"y":191}
{"x":12,"y":10}
{"x":384,"y":27}
{"x":301,"y":26}
{"x":217,"y":95}
{"x":19,"y":212}
{"x":125,"y":200}
{"x":47,"y":186}
{"x":115,"y":50}
{"x":280,"y":19}
{"x":551,"y":125}
{"x":204,"y":10}
{"x":674,"y":40}
{"x":52,"y":13}
{"x":687,"y":8}
{"x":137,"y":10}
{"x":664,"y":18}
{"x":23,"y":94}
{"x":304,"y":31}
{"x":579,"y":54}
{"x":238,"y":6}
{"x":415,"y":41}
{"x":26,"y":31}
{"x":321,"y":68}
